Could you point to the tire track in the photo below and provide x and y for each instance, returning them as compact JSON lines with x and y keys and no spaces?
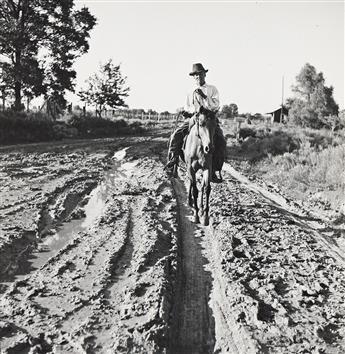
{"x":294,"y":214}
{"x":192,"y":322}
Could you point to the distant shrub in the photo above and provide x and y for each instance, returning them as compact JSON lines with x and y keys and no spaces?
{"x":308,"y":163}
{"x":244,"y":133}
{"x":91,"y":126}
{"x":21,"y":127}
{"x":272,"y":144}
{"x":64,"y":131}
{"x":309,"y":169}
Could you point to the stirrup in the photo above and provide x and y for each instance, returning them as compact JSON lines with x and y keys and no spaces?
{"x":171,"y":171}
{"x":171,"y":168}
{"x":215,"y":179}
{"x":169,"y":165}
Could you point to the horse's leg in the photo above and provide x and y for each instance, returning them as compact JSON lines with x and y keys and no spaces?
{"x":195,"y":196}
{"x":202,"y":194}
{"x":190,"y":189}
{"x":207,"y":187}
{"x":175,"y":171}
{"x":190,"y":184}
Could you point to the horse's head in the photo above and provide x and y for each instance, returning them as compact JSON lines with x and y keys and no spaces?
{"x":206,"y":126}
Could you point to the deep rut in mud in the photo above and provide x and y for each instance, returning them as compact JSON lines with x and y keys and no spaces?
{"x":192,"y":322}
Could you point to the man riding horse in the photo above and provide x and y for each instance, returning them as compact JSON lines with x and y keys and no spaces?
{"x":205,"y":99}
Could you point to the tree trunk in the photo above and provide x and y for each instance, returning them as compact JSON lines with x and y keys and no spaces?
{"x":3,"y":100}
{"x":28,"y":100}
{"x":21,"y":18}
{"x":18,"y":96}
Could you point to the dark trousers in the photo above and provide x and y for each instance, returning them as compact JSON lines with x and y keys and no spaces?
{"x":176,"y":140}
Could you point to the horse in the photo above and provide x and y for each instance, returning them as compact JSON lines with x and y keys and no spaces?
{"x":198,"y":153}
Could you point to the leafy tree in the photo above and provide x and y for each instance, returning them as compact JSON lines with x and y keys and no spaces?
{"x":152,"y":111}
{"x":5,"y":86}
{"x":40,"y":40}
{"x":106,"y":89}
{"x":313,"y":99}
{"x":234,"y":109}
{"x":69,"y":40}
{"x":230,"y":111}
{"x":258,"y":116}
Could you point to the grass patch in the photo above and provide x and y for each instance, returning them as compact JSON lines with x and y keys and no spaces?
{"x":21,"y":127}
{"x":306,"y":163}
{"x":94,"y":127}
{"x":310,"y":172}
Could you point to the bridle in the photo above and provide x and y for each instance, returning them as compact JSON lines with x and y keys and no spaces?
{"x":195,"y":98}
{"x":197,"y":125}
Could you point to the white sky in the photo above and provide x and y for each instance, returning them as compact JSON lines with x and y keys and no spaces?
{"x":247,"y":47}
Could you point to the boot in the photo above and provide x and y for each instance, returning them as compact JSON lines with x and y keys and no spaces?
{"x":216,"y":179}
{"x":171,"y":166}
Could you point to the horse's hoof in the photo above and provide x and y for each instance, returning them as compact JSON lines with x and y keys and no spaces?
{"x":215,"y":179}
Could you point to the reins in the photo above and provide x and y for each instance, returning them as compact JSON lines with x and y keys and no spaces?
{"x":197,"y":114}
{"x":198,"y":126}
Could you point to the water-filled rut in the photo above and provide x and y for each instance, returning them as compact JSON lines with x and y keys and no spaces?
{"x":86,"y":211}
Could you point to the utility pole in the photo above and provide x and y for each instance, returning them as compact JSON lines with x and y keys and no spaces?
{"x":281,"y":112}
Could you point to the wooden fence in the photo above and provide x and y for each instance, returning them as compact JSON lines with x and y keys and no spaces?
{"x":141,"y":116}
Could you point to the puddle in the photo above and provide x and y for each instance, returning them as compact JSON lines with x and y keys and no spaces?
{"x":128,"y":167}
{"x":93,"y":209}
{"x":29,"y":169}
{"x":120,"y":155}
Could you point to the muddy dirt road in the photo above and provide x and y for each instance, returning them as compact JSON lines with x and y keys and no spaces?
{"x":98,"y":254}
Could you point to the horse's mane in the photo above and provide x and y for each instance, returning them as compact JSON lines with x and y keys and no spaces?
{"x":207,"y":115}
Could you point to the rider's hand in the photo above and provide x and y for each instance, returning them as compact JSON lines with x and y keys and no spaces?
{"x":200,"y":93}
{"x":202,"y":109}
{"x":186,"y":114}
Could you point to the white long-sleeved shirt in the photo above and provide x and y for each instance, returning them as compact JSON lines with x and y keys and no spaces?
{"x":211,"y":102}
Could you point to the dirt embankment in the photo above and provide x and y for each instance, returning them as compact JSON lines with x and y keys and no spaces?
{"x":282,"y":281}
{"x":98,"y":254}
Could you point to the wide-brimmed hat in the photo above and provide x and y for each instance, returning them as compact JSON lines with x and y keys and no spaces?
{"x":197,"y":68}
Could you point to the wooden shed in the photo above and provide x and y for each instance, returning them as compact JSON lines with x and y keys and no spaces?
{"x":278,"y":117}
